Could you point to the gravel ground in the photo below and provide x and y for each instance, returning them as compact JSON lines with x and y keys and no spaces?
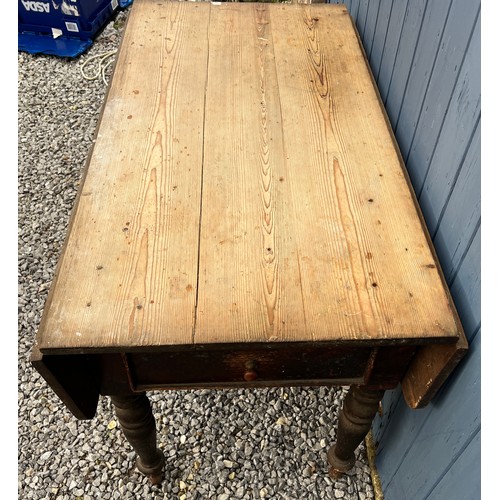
{"x":252,"y":444}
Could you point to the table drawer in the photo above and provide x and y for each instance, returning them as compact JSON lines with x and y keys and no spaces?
{"x":274,"y":364}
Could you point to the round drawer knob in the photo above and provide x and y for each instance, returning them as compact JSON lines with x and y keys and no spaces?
{"x":250,"y":372}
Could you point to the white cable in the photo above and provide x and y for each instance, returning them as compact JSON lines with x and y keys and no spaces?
{"x":100,"y":68}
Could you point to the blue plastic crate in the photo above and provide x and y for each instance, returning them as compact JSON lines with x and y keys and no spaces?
{"x":62,"y":27}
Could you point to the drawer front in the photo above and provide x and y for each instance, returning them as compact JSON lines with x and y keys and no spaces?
{"x":300,"y":364}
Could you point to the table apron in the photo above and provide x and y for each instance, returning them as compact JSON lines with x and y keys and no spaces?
{"x":79,"y":379}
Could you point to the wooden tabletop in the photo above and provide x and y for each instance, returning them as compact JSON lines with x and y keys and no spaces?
{"x":244,"y":186}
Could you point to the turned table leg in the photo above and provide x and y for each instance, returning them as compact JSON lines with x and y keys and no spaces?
{"x":137,"y":422}
{"x":355,"y":420}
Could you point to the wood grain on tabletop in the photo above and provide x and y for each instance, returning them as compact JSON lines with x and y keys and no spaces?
{"x":244,"y":186}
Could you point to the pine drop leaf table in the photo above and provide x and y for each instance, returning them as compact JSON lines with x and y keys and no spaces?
{"x":245,"y":220}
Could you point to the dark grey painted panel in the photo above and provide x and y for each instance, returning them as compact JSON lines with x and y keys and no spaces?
{"x":410,"y":34}
{"x":446,"y":77}
{"x":461,"y":213}
{"x":385,"y":67}
{"x":381,"y":423}
{"x":466,"y":287}
{"x":456,"y":134}
{"x":370,"y":26}
{"x":453,"y":485}
{"x":397,"y":441}
{"x":361,"y":16}
{"x":421,"y":71}
{"x":354,"y":9}
{"x":380,"y":34}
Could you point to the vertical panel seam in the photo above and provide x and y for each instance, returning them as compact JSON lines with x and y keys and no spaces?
{"x":474,"y":333}
{"x":431,"y":158}
{"x":366,"y":18}
{"x":429,"y":78}
{"x":395,"y":55}
{"x":452,"y":461}
{"x":376,"y":73}
{"x":411,"y":64}
{"x":374,"y":30}
{"x":464,"y":255}
{"x":455,"y":179}
{"x":407,"y":451}
{"x":382,"y":434}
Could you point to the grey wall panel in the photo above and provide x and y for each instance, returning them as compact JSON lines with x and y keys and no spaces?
{"x":392,"y":41}
{"x":461,"y":215}
{"x":393,"y":82}
{"x":371,"y":26}
{"x":362,"y":16}
{"x":465,"y":286}
{"x":383,"y":420}
{"x":454,"y":69}
{"x":452,"y":484}
{"x":455,"y":135}
{"x":424,"y":59}
{"x":381,"y":30}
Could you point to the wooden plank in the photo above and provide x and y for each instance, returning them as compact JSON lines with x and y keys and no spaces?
{"x":204,"y":219}
{"x":458,"y":127}
{"x":467,"y":465}
{"x":75,"y":381}
{"x":421,"y":70}
{"x":429,"y":369}
{"x":398,"y":429}
{"x":461,"y":215}
{"x":129,"y":270}
{"x":440,"y":88}
{"x":333,"y":99}
{"x":344,"y":293}
{"x":453,"y":420}
{"x":250,"y":282}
